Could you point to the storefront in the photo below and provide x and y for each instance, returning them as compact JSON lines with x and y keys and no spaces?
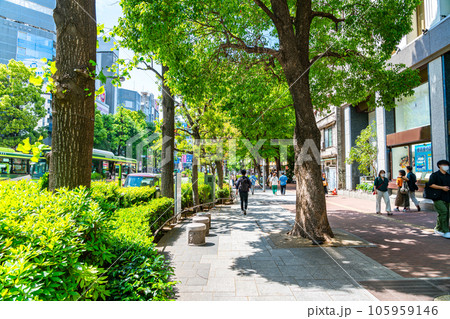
{"x":410,"y":145}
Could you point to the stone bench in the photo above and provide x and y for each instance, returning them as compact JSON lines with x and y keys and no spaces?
{"x":204,"y":214}
{"x":202,"y":219}
{"x":196,"y":234}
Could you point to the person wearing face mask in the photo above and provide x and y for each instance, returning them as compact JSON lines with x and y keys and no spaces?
{"x":440,"y":180}
{"x":381,"y":190}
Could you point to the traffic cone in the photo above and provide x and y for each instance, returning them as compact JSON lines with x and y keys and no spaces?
{"x":334,"y":192}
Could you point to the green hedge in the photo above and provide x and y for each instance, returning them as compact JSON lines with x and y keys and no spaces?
{"x":58,"y":247}
{"x":111,"y":197}
{"x":141,"y":273}
{"x":204,"y":192}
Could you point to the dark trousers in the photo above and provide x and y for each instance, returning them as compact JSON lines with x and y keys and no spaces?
{"x":244,"y":200}
{"x":283,"y":189}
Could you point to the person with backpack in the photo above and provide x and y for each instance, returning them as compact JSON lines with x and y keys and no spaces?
{"x":438,"y":189}
{"x":411,"y":179}
{"x":243,"y":185}
{"x":380,"y":187}
{"x":253,"y":180}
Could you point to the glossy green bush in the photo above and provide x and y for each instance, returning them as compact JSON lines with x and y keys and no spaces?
{"x":43,"y":182}
{"x":52,"y":246}
{"x":141,"y":273}
{"x":97,"y":176}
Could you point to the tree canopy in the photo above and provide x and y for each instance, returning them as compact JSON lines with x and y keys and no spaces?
{"x":21,"y":104}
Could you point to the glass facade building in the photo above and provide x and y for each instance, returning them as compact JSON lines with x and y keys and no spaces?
{"x":28,"y":32}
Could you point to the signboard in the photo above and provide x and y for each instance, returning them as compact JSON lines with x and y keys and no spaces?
{"x":178,"y":195}
{"x":422,"y":158}
{"x":189,"y":158}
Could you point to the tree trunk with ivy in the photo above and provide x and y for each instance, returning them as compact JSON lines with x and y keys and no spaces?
{"x":73,"y":107}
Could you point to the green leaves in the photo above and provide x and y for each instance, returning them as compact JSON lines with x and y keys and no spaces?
{"x":365,"y":151}
{"x":21,"y":103}
{"x":36,"y":149}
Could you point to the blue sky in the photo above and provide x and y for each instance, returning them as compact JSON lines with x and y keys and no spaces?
{"x":108,"y":12}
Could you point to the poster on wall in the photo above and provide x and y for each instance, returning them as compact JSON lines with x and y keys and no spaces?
{"x":423,"y":160}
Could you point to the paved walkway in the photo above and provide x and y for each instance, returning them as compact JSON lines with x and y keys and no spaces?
{"x":239,"y":262}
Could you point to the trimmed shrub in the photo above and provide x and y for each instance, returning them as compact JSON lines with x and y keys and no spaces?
{"x":95,"y":176}
{"x":224,"y":192}
{"x":204,"y":191}
{"x":187,"y":199}
{"x":111,"y":197}
{"x":52,"y":246}
{"x":141,"y":273}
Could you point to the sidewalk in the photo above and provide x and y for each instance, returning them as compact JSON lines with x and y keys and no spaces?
{"x":240,"y":262}
{"x":405,"y":243}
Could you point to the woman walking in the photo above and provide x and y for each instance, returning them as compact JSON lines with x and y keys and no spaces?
{"x":402,"y":198}
{"x":380,"y":189}
{"x":274,"y":181}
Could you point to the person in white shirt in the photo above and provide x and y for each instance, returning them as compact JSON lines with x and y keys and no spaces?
{"x":274,"y":182}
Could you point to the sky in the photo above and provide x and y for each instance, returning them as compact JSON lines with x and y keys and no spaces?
{"x":108,"y":13}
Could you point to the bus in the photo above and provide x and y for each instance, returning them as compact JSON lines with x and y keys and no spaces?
{"x":15,"y":164}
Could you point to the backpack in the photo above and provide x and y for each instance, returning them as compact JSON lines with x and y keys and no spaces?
{"x":244,"y":184}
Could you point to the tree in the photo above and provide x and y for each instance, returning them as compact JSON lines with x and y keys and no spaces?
{"x":365,"y":151}
{"x":74,"y":95}
{"x":329,"y":52}
{"x":21,"y":104}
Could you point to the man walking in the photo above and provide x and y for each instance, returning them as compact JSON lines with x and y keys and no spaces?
{"x":283,"y":182}
{"x":243,"y":185}
{"x":412,"y":180}
{"x":440,"y":180}
{"x":253,"y":180}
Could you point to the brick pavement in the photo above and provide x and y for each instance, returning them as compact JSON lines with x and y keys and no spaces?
{"x":239,"y":262}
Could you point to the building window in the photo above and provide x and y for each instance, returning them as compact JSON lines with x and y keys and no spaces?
{"x":413,"y":111}
{"x":328,"y":137}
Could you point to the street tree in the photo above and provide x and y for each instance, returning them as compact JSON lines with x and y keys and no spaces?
{"x":330,"y":53}
{"x":21,"y":104}
{"x":74,"y":94}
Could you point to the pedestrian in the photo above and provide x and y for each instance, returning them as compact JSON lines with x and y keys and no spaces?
{"x":402,"y":198}
{"x":253,"y":180}
{"x":380,"y":187}
{"x":440,"y":180}
{"x":283,"y":182}
{"x":243,"y":185}
{"x":411,"y":179}
{"x":274,"y":182}
{"x":325,"y":183}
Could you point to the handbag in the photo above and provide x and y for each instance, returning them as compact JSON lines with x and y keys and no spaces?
{"x":404,"y":189}
{"x":375,"y":191}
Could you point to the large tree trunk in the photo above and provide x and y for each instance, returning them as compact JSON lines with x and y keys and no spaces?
{"x":195,"y":196}
{"x":168,"y":138}
{"x":278,"y":161}
{"x":311,"y":219}
{"x":73,"y":103}
{"x":266,"y":168}
{"x":219,"y":168}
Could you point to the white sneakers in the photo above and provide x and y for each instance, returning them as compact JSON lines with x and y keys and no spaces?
{"x":445,"y":235}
